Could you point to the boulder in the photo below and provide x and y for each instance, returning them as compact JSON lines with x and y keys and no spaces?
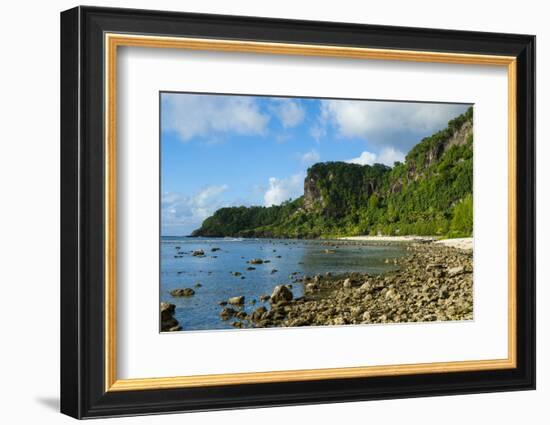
{"x":182,"y":292}
{"x":227,"y":313}
{"x":239,"y":300}
{"x":167,"y":321}
{"x":347,"y":283}
{"x":256,"y":261}
{"x":281,"y":294}
{"x":258,"y":313}
{"x":264,"y":298}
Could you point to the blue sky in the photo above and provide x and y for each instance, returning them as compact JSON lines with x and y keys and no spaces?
{"x":227,"y":150}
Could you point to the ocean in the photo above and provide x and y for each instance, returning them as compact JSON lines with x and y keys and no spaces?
{"x":213,"y":276}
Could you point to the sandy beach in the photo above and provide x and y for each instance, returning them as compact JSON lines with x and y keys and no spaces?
{"x":458,"y":243}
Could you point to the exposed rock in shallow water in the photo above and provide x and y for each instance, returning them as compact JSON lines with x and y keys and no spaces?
{"x":281,"y":294}
{"x":236,"y":300}
{"x":256,"y":261}
{"x":182,"y":292}
{"x":167,"y":321}
{"x":198,"y":253}
{"x":433,"y":283}
{"x":227,"y":313}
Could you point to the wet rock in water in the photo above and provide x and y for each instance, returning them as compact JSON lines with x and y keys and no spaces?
{"x":256,"y":261}
{"x":198,"y":285}
{"x":267,"y":261}
{"x":258,"y":313}
{"x":167,"y":321}
{"x":281,"y":294}
{"x":237,"y":324}
{"x":236,"y":300}
{"x":251,"y":268}
{"x":241,"y":315}
{"x":227,"y":313}
{"x":214,"y":249}
{"x":182,"y":292}
{"x":198,"y":253}
{"x":222,"y":303}
{"x":252,"y":302}
{"x":236,"y":274}
{"x":264,"y":298}
{"x":273,"y":271}
{"x":278,"y":256}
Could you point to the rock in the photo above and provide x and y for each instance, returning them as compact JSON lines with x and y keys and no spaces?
{"x":182,"y":292}
{"x":258,"y":313}
{"x":223,"y":303}
{"x":456,"y":271}
{"x":167,"y":321}
{"x":198,"y":253}
{"x":256,"y":261}
{"x":264,"y":298}
{"x":347,"y":283}
{"x":214,"y":249}
{"x":310,"y":287}
{"x":274,"y":271}
{"x":236,"y":300}
{"x":251,"y":268}
{"x":281,"y":294}
{"x":198,"y":285}
{"x":366,"y":286}
{"x":227,"y":313}
{"x":237,"y":324}
{"x":241,"y":315}
{"x":236,"y":273}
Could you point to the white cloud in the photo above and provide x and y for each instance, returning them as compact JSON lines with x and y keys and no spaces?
{"x":281,"y":190}
{"x":368,"y":119}
{"x":191,"y":115}
{"x":387,"y":157}
{"x":310,"y":157}
{"x":188,"y":212}
{"x":288,"y":111}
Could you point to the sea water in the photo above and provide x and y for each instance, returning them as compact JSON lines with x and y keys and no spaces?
{"x":215,"y":271}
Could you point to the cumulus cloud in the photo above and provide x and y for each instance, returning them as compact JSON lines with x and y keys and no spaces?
{"x":281,"y":190}
{"x":388,"y":156}
{"x":310,"y":157}
{"x":188,"y":212}
{"x":288,"y":111}
{"x":191,"y":115}
{"x":371,"y":120}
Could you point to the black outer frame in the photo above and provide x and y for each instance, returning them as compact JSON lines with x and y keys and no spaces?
{"x":82,"y":219}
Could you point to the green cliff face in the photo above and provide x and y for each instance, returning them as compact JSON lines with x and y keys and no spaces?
{"x":429,"y":194}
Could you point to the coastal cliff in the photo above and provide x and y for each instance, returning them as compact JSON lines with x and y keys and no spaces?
{"x":430,"y":193}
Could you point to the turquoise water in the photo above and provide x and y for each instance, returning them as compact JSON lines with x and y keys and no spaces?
{"x":214,"y":271}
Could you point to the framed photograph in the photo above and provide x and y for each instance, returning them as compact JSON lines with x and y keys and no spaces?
{"x":261,"y":212}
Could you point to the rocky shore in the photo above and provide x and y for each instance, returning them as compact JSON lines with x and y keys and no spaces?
{"x":433,"y":283}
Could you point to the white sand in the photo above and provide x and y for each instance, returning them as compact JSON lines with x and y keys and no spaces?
{"x":390,"y":238}
{"x":459,"y":243}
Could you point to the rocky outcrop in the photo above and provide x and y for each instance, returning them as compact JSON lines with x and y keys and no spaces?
{"x":434,"y":283}
{"x":167,"y":321}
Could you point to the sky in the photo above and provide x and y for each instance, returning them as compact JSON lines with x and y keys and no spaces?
{"x":229,"y":150}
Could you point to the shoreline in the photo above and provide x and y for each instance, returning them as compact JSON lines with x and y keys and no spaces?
{"x":434,"y":283}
